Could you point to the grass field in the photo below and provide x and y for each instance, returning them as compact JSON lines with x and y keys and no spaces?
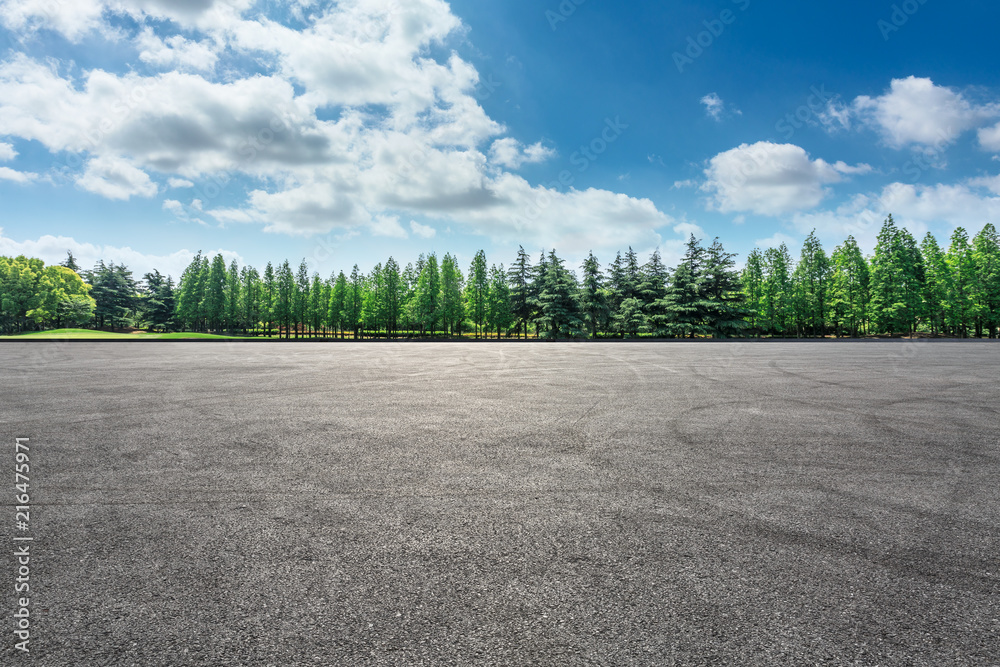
{"x":90,"y":334}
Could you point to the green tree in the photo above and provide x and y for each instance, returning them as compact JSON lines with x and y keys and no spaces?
{"x":811,"y":280}
{"x":593,"y":297}
{"x":560,"y":311}
{"x":986,"y":293}
{"x":338,"y":305}
{"x":476,"y":291}
{"x":428,"y":295}
{"x":686,"y":304}
{"x":752,"y":283}
{"x":726,"y":312}
{"x":160,"y":302}
{"x":285,"y":296}
{"x":519,"y":278}
{"x":777,"y":290}
{"x":652,"y":289}
{"x":937,"y":284}
{"x":849,"y":286}
{"x":215,"y":293}
{"x":452,"y":308}
{"x":961,"y":298}
{"x":355,"y":301}
{"x":301,"y":299}
{"x":233,"y":299}
{"x":498,"y":315}
{"x":269,"y":299}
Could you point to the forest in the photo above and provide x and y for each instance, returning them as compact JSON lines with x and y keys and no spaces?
{"x":903,"y":288}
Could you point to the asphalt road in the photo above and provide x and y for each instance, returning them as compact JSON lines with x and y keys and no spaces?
{"x":505,"y":504}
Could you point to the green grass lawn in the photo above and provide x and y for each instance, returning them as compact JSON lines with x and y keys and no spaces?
{"x":89,"y":334}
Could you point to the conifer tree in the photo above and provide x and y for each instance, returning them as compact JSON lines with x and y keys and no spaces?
{"x":752,"y":283}
{"x":593,"y":297}
{"x":849,"y":285}
{"x":986,"y":293}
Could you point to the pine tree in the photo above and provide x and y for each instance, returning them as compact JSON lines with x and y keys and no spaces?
{"x":250,"y":306}
{"x":986,"y":258}
{"x":777,"y":296}
{"x":498,"y":315}
{"x":593,"y":298}
{"x":355,"y":301}
{"x":560,"y":310}
{"x":725,"y":316}
{"x":849,"y":285}
{"x":214,"y":301}
{"x":961,"y":298}
{"x":476,"y":290}
{"x":937,"y":284}
{"x":686,"y":304}
{"x":319,"y":302}
{"x":338,"y":304}
{"x":300,"y":307}
{"x":452,"y":308}
{"x":284,"y":306}
{"x":428,"y":295}
{"x":653,"y":278}
{"x":752,"y":283}
{"x":811,"y":282}
{"x":519,"y":278}
{"x":233,"y":288}
{"x":269,"y":298}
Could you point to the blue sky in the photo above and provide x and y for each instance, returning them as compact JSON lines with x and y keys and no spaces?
{"x":345,"y":132}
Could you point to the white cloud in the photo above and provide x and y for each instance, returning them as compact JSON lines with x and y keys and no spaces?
{"x":116,"y":178}
{"x":7,"y":152}
{"x":989,"y":138}
{"x":388,"y":225}
{"x":775,"y":240}
{"x":770,"y":179}
{"x":175,"y":51}
{"x":916,"y":111}
{"x":510,"y":153}
{"x":74,"y":19}
{"x":409,"y":136}
{"x":919,"y":208}
{"x":8,"y":174}
{"x":52,"y":250}
{"x":714,"y":105}
{"x":423,"y":231}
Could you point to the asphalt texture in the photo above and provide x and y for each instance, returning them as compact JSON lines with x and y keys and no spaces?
{"x":505,"y":504}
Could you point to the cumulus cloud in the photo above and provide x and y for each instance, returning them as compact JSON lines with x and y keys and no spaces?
{"x":176,"y":51}
{"x":402,"y":132}
{"x":116,"y":178}
{"x":715,"y":107}
{"x":989,"y":138}
{"x":7,"y":152}
{"x":75,"y":19}
{"x":770,"y":179}
{"x":8,"y":174}
{"x":511,"y":153}
{"x":52,"y":250}
{"x":916,"y":111}
{"x":388,"y":225}
{"x":423,"y":231}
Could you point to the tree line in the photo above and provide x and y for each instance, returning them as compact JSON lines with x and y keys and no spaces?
{"x":904,"y":287}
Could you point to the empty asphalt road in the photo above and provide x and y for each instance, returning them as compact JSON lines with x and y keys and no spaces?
{"x":504,"y":504}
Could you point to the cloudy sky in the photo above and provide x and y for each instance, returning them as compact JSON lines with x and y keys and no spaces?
{"x":344,"y":132}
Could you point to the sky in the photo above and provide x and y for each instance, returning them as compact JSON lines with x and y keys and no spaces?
{"x":342,"y":133}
